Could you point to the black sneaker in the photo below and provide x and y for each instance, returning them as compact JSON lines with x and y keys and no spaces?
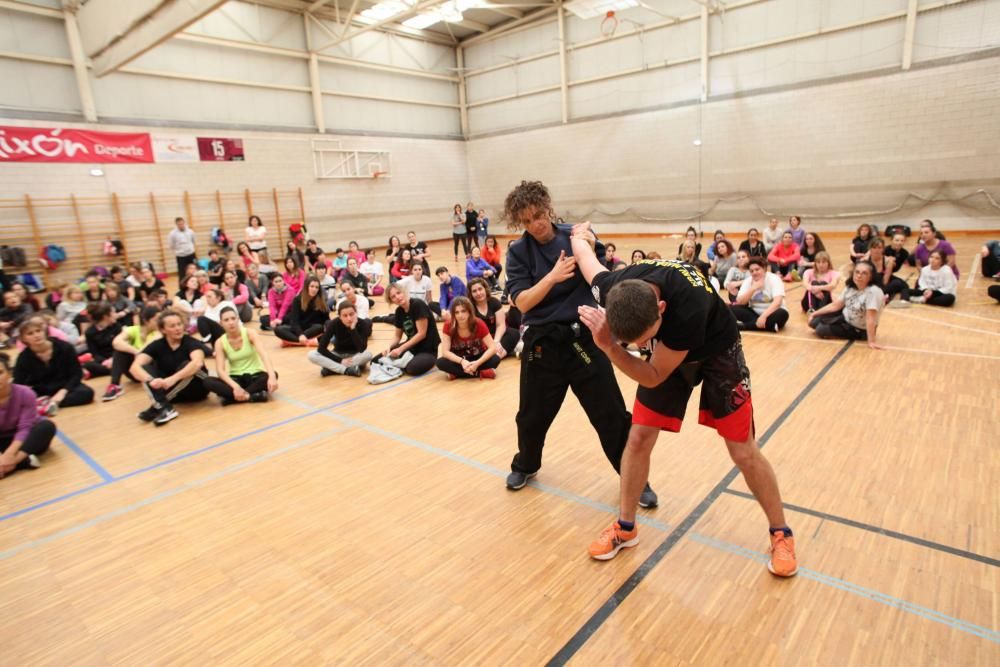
{"x":325,"y":372}
{"x":353,"y":371}
{"x":225,"y":400}
{"x":150,"y":413}
{"x":516,"y":480}
{"x":648,"y":498}
{"x":259,"y":397}
{"x":166,"y":414}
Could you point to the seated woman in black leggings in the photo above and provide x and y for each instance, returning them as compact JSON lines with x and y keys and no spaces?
{"x":50,"y":368}
{"x":306,"y":318}
{"x":23,"y":434}
{"x":128,"y":343}
{"x":467,"y":348}
{"x":245,"y":370}
{"x":415,"y":320}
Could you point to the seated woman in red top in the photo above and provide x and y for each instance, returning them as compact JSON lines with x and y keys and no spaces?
{"x":491,"y":253}
{"x":784,"y":258}
{"x":467,"y":348}
{"x":401,"y":267}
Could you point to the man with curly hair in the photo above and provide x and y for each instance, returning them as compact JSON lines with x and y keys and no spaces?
{"x":559,"y":353}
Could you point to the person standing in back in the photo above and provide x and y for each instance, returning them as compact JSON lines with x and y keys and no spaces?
{"x":182,"y":243}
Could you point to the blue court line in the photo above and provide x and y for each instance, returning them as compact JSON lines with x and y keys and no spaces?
{"x":107,"y":516}
{"x":856,"y":589}
{"x":196,"y":452}
{"x":87,"y":458}
{"x":805,"y":573}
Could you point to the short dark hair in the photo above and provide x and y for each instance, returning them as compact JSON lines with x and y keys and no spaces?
{"x":344,"y":305}
{"x":526,"y":195}
{"x":99,"y":311}
{"x":759,"y":261}
{"x":228,"y":309}
{"x":148,"y":313}
{"x":164,"y":314}
{"x":850,"y":278}
{"x":632,"y":308}
{"x":441,"y":269}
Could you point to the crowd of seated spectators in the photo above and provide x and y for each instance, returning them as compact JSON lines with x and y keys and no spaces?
{"x":211,"y":336}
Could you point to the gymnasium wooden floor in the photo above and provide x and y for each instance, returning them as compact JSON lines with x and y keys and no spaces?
{"x":345,"y":523}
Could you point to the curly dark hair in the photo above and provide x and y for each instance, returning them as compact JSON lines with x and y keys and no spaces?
{"x":527,"y":194}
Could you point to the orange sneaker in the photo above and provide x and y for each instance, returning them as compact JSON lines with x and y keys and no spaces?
{"x":782,"y":563}
{"x":612,"y":540}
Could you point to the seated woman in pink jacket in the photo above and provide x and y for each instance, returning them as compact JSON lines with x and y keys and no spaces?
{"x":279,"y":300}
{"x":784,"y":258}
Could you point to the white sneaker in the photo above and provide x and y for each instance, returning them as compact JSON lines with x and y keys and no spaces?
{"x":917,"y":299}
{"x":33,"y":461}
{"x":518,"y":348}
{"x":899,"y":304}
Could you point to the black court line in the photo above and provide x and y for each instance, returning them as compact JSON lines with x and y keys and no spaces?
{"x":937,"y":546}
{"x":594,"y":623}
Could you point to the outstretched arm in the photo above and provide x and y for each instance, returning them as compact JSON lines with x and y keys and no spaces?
{"x":583,"y":240}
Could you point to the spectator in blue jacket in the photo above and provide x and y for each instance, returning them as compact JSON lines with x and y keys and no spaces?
{"x":451,"y":287}
{"x":477,"y":267}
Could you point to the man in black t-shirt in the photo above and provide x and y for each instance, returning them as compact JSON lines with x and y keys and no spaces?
{"x":313,"y":251}
{"x":669,"y":306}
{"x":169,"y":368}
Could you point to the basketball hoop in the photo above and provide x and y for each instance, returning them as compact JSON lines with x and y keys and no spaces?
{"x":609,"y":24}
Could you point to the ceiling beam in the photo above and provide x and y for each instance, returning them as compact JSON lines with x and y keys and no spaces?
{"x":114,"y":36}
{"x":316,"y":5}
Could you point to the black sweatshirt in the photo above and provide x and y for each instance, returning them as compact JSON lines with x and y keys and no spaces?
{"x":62,"y":372}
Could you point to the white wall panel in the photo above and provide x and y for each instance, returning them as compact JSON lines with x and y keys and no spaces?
{"x":522,"y":112}
{"x":855,"y":145}
{"x":648,"y":89}
{"x":32,"y":34}
{"x":375,"y":116}
{"x":857,"y":50}
{"x":142,"y":97}
{"x":339,"y":78}
{"x":512,"y":80}
{"x":538,"y":39}
{"x":215,"y":61}
{"x":37,"y":86}
{"x":958,"y":29}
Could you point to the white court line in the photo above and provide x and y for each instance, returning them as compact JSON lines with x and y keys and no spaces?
{"x":948,"y":311}
{"x":950,"y":354}
{"x":945,"y":324}
{"x":861,"y":343}
{"x":972,"y":271}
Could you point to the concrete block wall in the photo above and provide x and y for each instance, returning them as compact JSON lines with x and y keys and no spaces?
{"x":429,"y":177}
{"x":854,"y":146}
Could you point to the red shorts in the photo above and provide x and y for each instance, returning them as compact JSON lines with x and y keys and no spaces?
{"x":725,"y":396}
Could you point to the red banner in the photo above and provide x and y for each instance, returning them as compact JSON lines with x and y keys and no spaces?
{"x":220,"y":150}
{"x":39,"y":144}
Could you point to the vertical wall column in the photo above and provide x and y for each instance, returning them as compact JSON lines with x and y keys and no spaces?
{"x":911,"y":30}
{"x":704,"y":53}
{"x":317,"y":94}
{"x":463,"y":104}
{"x":563,"y":86}
{"x":80,"y":66}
